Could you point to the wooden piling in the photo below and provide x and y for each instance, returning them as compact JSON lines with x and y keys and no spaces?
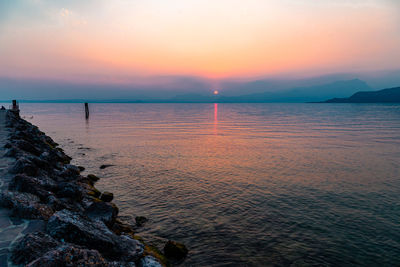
{"x":87,"y":110}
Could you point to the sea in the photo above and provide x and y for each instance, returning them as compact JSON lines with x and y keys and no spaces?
{"x":246,"y":184}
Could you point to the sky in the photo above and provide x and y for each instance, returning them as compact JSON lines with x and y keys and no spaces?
{"x":142,"y":42}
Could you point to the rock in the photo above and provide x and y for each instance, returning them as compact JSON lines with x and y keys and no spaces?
{"x":175,"y":250}
{"x":149,"y":261}
{"x":26,"y":146}
{"x":81,"y":230}
{"x":11,"y":152}
{"x":121,"y":227}
{"x":8,"y":145}
{"x":31,"y":247}
{"x":121,"y":264}
{"x":70,"y":190}
{"x":106,"y":166}
{"x":23,"y":165}
{"x":93,"y":177}
{"x":105,"y":212}
{"x":39,"y":187}
{"x":140,"y":220}
{"x":68,"y":255}
{"x":73,"y":169}
{"x":107,"y":196}
{"x":81,"y":168}
{"x":25,"y":205}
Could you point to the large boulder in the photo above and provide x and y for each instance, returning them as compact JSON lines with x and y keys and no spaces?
{"x":40,"y":187}
{"x":75,"y":228}
{"x":32,"y":246}
{"x":25,"y":205}
{"x":28,"y":147}
{"x":68,"y":255}
{"x":70,"y":190}
{"x":103,"y":211}
{"x":24,"y":165}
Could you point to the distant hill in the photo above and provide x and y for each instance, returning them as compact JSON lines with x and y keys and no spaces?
{"x":391,"y":95}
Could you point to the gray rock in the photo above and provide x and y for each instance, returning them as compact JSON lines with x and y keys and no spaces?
{"x":70,"y":190}
{"x":25,"y":205}
{"x":23,"y":165}
{"x":38,"y":186}
{"x":105,"y":212}
{"x":31,"y":247}
{"x":149,"y":261}
{"x":175,"y":250}
{"x":68,"y":255}
{"x":81,"y":230}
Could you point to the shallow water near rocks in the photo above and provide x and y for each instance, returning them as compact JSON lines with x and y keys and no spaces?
{"x":247,"y":184}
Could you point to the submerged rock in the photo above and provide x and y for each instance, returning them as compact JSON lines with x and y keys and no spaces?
{"x":140,"y":220}
{"x":106,"y":166}
{"x":107,"y":196}
{"x":93,"y":177}
{"x":175,"y":250}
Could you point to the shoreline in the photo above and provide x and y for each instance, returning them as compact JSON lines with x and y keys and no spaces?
{"x":76,"y":223}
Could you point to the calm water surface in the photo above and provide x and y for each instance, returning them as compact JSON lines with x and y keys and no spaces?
{"x":247,"y":184}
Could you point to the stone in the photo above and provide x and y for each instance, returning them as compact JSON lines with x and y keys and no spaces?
{"x":23,"y":165}
{"x":68,"y":255}
{"x":28,"y":147}
{"x":140,"y":220}
{"x":70,"y":190}
{"x":106,"y":166}
{"x":31,"y":247}
{"x":121,"y":264}
{"x":81,"y":230}
{"x":103,"y":211}
{"x":37,"y":186}
{"x":81,"y":168}
{"x":93,"y":177}
{"x":149,"y":261}
{"x":107,"y":196}
{"x":25,"y":205}
{"x":175,"y":250}
{"x":73,"y":169}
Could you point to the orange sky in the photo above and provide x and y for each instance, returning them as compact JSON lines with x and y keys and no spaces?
{"x":126,"y":40}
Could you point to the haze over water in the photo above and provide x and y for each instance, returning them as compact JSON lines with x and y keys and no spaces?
{"x":247,"y":184}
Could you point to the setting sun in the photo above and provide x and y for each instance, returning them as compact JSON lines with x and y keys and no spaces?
{"x":216,"y":92}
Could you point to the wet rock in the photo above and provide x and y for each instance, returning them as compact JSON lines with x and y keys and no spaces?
{"x":120,"y":227}
{"x":11,"y":152}
{"x":25,"y":205}
{"x":107,"y":196}
{"x":81,"y":230}
{"x":121,"y":264}
{"x":39,"y":187}
{"x":106,"y":166}
{"x":68,"y":255}
{"x":105,"y":212}
{"x":81,"y":168}
{"x":175,"y":250}
{"x":140,"y":220}
{"x":26,"y":146}
{"x":8,"y":145}
{"x":149,"y":261}
{"x":73,"y":169}
{"x":31,"y":247}
{"x":23,"y":165}
{"x":93,"y":177}
{"x":70,"y":190}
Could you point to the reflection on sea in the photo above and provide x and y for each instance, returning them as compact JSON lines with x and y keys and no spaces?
{"x":247,"y":184}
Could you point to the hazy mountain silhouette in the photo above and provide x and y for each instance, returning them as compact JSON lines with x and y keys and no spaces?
{"x":391,"y":95}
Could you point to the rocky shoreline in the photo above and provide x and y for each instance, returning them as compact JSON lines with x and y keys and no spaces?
{"x":81,"y":226}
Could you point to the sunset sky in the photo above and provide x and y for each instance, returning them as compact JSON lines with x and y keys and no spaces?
{"x":123,"y":41}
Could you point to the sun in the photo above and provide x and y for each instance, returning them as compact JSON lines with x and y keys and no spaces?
{"x":216,"y":92}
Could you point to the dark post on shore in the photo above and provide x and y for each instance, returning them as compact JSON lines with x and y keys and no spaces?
{"x":87,"y":110}
{"x":15,"y":107}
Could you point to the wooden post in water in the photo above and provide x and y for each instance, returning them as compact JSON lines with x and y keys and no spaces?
{"x":87,"y":110}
